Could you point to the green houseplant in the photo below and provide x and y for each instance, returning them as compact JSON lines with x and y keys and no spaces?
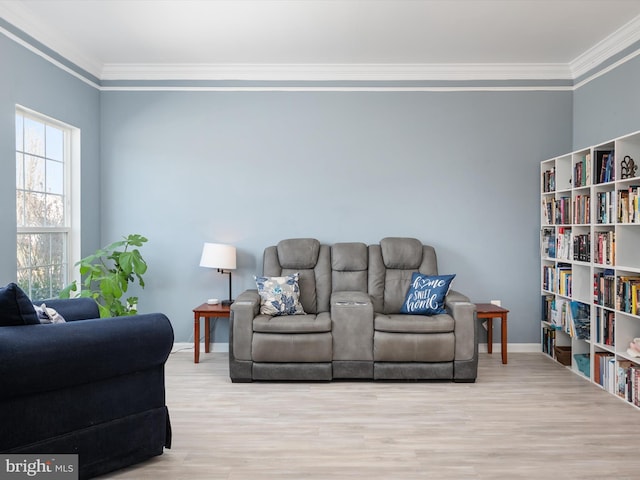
{"x":107,"y":273}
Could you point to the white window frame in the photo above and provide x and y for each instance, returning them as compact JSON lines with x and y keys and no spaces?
{"x":71,"y":192}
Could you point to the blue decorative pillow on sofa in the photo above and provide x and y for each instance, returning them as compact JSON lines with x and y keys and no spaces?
{"x":426,"y":294}
{"x":15,"y":307}
{"x":279,"y":295}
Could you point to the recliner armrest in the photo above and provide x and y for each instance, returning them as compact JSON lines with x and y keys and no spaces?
{"x":38,"y":358}
{"x":243,"y":310}
{"x":465,"y":329}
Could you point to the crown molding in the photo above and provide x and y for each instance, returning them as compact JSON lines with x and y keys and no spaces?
{"x":336,"y":72}
{"x":615,"y":43}
{"x":18,"y":16}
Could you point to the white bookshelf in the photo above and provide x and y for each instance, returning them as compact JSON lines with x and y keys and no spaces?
{"x":590,"y":257}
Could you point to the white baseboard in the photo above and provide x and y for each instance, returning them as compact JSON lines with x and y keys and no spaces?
{"x":482,"y":348}
{"x":188,"y":347}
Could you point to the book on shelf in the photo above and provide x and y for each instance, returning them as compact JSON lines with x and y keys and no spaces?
{"x":628,"y":294}
{"x":604,"y":288}
{"x":549,"y":180}
{"x":548,"y":243}
{"x":582,"y":247}
{"x":605,"y":165}
{"x":605,"y":327}
{"x":605,"y":247}
{"x":628,"y":205}
{"x":564,"y":244}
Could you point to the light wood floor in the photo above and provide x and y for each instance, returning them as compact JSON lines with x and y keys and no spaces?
{"x":530,"y":419}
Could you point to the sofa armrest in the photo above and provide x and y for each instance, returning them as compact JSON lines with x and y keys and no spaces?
{"x":80,"y":352}
{"x":243,"y":310}
{"x":465,"y":330}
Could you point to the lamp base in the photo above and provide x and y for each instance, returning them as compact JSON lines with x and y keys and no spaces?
{"x":226,"y":303}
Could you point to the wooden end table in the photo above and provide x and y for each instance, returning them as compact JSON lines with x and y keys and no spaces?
{"x":489,"y":311}
{"x":206,"y":311}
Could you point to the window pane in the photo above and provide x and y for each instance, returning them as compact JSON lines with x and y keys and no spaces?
{"x":40,"y":283}
{"x":55,"y":211}
{"x":55,"y":177}
{"x":19,"y":133}
{"x":40,"y":250}
{"x":55,"y":139}
{"x":35,"y":208}
{"x":34,"y":173}
{"x":58,"y":278}
{"x":24,"y":251}
{"x":33,"y":137}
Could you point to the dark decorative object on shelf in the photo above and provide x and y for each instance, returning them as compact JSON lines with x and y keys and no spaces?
{"x":629,"y":167}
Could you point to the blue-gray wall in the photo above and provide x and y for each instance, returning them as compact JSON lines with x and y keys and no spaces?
{"x":608,"y":106}
{"x":458,"y":170}
{"x":37,"y":84}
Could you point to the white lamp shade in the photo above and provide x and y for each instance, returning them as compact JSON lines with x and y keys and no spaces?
{"x":217,"y":255}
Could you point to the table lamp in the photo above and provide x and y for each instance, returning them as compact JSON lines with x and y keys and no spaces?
{"x":222,"y":257}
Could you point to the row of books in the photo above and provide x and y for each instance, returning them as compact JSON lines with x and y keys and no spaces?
{"x":563,"y":211}
{"x":582,"y":172}
{"x":582,"y":209}
{"x":605,"y":248}
{"x":604,"y":288}
{"x":605,"y":327}
{"x":604,"y":207}
{"x":557,"y":210}
{"x":565,"y":245}
{"x":573,"y":318}
{"x":605,"y":166}
{"x":549,"y":180}
{"x":628,"y":382}
{"x":549,"y":340}
{"x":605,"y":371}
{"x":564,"y":275}
{"x":628,"y":294}
{"x":628,"y":205}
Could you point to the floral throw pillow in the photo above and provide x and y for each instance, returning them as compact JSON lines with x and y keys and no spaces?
{"x":279,"y":295}
{"x":426,"y":294}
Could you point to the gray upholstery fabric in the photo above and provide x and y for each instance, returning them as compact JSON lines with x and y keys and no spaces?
{"x":352,"y":294}
{"x":349,"y":262}
{"x":352,"y":326}
{"x":312,"y":261}
{"x":413,"y":347}
{"x":243,"y":311}
{"x":401,"y":323}
{"x":294,"y":347}
{"x":298,"y":253}
{"x":309,"y":323}
{"x":352,"y":369}
{"x":401,"y":253}
{"x":292,"y":371}
{"x":412,"y":371}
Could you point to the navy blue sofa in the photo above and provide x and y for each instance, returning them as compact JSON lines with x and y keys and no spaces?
{"x":92,"y":386}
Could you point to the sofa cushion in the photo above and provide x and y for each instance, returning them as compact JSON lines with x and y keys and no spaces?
{"x":401,"y":323}
{"x":426,"y":294}
{"x":15,"y":307}
{"x":401,"y":253}
{"x":298,"y":253}
{"x":308,"y":323}
{"x":279,"y":295}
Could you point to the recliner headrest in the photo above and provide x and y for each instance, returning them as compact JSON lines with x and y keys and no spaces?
{"x":401,"y":253}
{"x":298,"y":253}
{"x":349,"y":257}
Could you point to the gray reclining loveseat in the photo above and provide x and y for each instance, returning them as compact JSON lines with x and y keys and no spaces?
{"x":353,"y":325}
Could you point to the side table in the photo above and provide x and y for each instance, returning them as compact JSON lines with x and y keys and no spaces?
{"x":206,"y":311}
{"x":488,"y":312}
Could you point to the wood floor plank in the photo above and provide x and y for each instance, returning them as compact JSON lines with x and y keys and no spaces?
{"x":529,"y":419}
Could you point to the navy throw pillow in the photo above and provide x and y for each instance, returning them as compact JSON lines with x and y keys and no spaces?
{"x":15,"y":307}
{"x":426,"y":294}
